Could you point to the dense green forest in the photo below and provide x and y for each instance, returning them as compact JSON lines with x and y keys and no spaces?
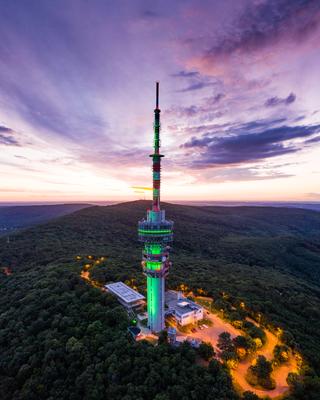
{"x":60,"y":338}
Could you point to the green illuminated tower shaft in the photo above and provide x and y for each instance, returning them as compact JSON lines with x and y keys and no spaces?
{"x":156,"y":233}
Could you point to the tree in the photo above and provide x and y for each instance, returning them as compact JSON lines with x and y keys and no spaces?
{"x":281,"y":353}
{"x":262,"y":368}
{"x":259,"y":374}
{"x":162,"y":396}
{"x":163,"y":337}
{"x":256,"y":333}
{"x":241,"y":341}
{"x":228,"y":351}
{"x":250,"y":396}
{"x":214,"y":367}
{"x":244,"y":345}
{"x":228,"y":355}
{"x":292,"y":378}
{"x":206,"y":350}
{"x":73,"y":345}
{"x":287,"y":338}
{"x":306,"y":389}
{"x":225,"y":342}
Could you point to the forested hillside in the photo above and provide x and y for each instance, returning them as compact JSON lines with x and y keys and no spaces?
{"x":268,"y":258}
{"x":17,"y":217}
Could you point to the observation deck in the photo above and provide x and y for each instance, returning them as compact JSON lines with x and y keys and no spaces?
{"x":155,"y":232}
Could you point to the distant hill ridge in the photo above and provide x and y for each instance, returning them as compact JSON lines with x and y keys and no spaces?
{"x":268,"y":235}
{"x":15,"y":217}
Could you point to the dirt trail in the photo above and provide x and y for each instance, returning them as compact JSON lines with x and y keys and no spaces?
{"x":280,"y":374}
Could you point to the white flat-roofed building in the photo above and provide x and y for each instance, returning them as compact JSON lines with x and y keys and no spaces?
{"x":184,"y":310}
{"x":126,"y":296}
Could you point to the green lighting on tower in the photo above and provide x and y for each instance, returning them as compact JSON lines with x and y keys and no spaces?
{"x":156,"y":232}
{"x":154,"y":265}
{"x":151,"y":232}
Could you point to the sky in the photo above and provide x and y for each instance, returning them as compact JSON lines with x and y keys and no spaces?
{"x":239,"y":99}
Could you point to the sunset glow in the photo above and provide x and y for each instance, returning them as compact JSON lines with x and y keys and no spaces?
{"x":239,"y":99}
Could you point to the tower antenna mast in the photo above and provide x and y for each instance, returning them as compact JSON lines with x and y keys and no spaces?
{"x":156,"y":233}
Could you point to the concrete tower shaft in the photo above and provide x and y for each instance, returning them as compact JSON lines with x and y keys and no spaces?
{"x":156,"y":233}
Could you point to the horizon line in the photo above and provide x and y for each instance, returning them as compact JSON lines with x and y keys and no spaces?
{"x":53,"y":202}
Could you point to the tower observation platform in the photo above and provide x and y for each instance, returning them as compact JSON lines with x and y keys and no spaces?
{"x":156,"y":233}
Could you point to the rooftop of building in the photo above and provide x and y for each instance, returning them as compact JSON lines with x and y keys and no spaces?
{"x":124,"y":292}
{"x":179,"y":304}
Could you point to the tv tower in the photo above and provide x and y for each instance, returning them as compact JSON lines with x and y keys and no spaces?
{"x":156,"y":233}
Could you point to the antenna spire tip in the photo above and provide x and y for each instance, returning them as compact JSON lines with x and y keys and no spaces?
{"x":157,"y":94}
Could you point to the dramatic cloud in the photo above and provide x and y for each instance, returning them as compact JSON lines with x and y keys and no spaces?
{"x":248,"y":147}
{"x":6,"y":130}
{"x":263,"y":23}
{"x":275,"y":101}
{"x":77,"y":86}
{"x":313,"y":140}
{"x":7,"y":138}
{"x":235,"y":128}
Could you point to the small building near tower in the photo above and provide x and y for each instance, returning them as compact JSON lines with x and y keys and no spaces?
{"x":129,"y":298}
{"x":134,"y":331}
{"x":185,"y":311}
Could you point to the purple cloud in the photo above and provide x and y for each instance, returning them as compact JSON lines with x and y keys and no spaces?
{"x":8,"y":140}
{"x":275,"y":101}
{"x":208,"y":107}
{"x":6,"y":137}
{"x":196,"y":86}
{"x":81,"y":79}
{"x":215,"y":99}
{"x":6,"y":129}
{"x":313,"y":140}
{"x":247,"y":147}
{"x":264,"y":23}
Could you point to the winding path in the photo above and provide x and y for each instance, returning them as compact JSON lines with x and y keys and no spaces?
{"x":280,"y":374}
